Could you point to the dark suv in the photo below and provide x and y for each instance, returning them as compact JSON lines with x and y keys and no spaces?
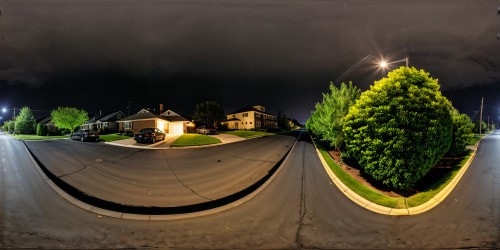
{"x":84,"y":135}
{"x":150,"y":135}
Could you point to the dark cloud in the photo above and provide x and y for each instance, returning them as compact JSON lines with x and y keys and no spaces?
{"x":282,"y":54}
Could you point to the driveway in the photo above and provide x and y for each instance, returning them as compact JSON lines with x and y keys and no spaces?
{"x":131,"y":143}
{"x":169,"y":139}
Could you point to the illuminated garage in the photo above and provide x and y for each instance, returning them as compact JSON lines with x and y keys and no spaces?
{"x":176,"y":128}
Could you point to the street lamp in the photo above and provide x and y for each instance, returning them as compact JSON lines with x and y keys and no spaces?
{"x":4,"y":110}
{"x":383,"y":64}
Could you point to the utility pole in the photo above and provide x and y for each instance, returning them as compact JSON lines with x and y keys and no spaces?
{"x":481,"y":116}
{"x":488,"y":128}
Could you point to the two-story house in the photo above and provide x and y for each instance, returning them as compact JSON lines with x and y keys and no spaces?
{"x":251,"y":117}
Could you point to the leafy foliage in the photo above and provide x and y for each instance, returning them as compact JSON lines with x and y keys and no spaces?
{"x":461,"y":134}
{"x":484,"y":127}
{"x":326,"y":120}
{"x":40,"y":129}
{"x":399,"y":128}
{"x":8,"y":125}
{"x":25,"y":122}
{"x":283,"y":122}
{"x":208,"y":113}
{"x":68,"y":117}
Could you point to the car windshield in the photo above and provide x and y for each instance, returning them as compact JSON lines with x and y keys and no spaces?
{"x":146,"y":130}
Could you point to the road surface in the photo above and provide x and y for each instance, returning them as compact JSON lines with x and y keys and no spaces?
{"x":301,"y":208}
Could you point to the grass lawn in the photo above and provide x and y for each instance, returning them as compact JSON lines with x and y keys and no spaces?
{"x":39,"y":137}
{"x":113,"y":137}
{"x":247,"y":133}
{"x":194,"y":140}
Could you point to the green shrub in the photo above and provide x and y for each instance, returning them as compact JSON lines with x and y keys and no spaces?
{"x":399,"y":128}
{"x":461,"y":133}
{"x":40,"y":130}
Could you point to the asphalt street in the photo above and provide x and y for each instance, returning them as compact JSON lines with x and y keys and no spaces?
{"x":161,"y":178}
{"x":301,"y":208}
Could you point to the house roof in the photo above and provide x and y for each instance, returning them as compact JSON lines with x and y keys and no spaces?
{"x":175,"y":118}
{"x":45,"y":120}
{"x":91,"y":120}
{"x":248,"y":109}
{"x":142,"y":115}
{"x":146,"y":114}
{"x":110,"y":116}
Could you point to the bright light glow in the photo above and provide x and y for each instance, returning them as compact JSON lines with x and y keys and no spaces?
{"x":383,"y":64}
{"x":4,"y":110}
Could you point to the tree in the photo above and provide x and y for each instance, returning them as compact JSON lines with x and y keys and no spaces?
{"x":399,"y":128}
{"x":476,"y":127}
{"x":8,"y":125}
{"x":68,"y":117}
{"x":326,"y":120}
{"x":25,"y":122}
{"x":283,"y":123}
{"x":461,"y":133}
{"x":209,"y":113}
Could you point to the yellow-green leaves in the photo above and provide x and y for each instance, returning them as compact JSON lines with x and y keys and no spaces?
{"x":399,"y":128}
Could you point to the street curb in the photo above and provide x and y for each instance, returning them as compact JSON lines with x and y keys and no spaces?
{"x":430,"y":204}
{"x":154,"y":217}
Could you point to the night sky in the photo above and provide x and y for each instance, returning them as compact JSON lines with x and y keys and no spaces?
{"x":103,"y":54}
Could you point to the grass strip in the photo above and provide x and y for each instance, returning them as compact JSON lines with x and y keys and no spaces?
{"x":194,"y":140}
{"x":113,"y":137}
{"x":385,"y":200}
{"x":247,"y":133}
{"x":428,"y":193}
{"x":39,"y":137}
{"x":359,"y":188}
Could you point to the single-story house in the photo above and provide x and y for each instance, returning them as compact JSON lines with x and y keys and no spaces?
{"x":251,"y":117}
{"x":50,"y":126}
{"x":168,"y":122}
{"x":104,"y":123}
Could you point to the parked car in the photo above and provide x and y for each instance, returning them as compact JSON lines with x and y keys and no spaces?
{"x":150,"y":135}
{"x":84,"y":135}
{"x":206,"y":131}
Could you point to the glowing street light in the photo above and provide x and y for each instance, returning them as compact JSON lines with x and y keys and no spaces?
{"x":383,"y":64}
{"x":4,"y":110}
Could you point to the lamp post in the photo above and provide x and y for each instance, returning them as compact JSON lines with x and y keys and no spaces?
{"x":4,"y":110}
{"x":383,"y":64}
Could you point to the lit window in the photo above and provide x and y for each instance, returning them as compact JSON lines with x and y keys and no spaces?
{"x":127,"y":125}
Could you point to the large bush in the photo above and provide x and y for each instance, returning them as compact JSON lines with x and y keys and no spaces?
{"x":399,"y":128}
{"x":461,"y":133}
{"x":40,"y":129}
{"x":326,"y":120}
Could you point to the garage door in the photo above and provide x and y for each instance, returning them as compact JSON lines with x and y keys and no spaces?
{"x":176,"y":128}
